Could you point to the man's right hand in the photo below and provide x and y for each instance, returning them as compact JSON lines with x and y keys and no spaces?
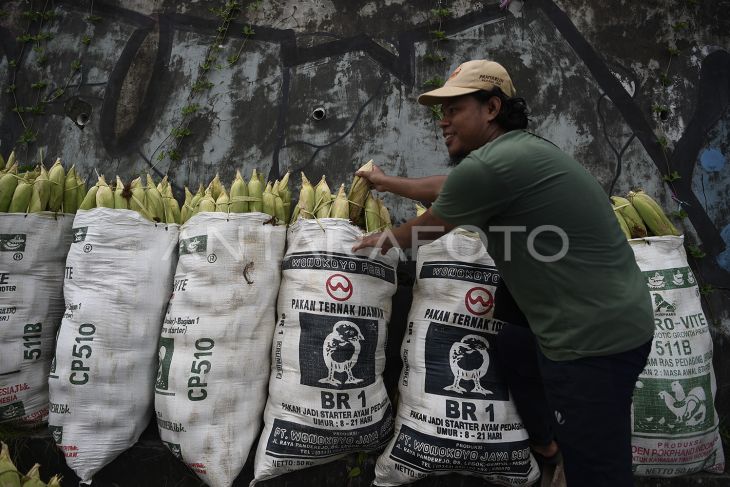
{"x":375,"y":178}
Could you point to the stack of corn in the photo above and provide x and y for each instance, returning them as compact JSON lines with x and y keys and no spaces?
{"x":10,"y":477}
{"x":39,"y":189}
{"x":639,"y":215}
{"x":359,"y":205}
{"x":273,"y":199}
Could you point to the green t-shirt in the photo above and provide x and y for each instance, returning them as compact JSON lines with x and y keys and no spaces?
{"x":591,"y":301}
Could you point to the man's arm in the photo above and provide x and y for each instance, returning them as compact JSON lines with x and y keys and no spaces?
{"x":420,"y":189}
{"x":424,"y":228}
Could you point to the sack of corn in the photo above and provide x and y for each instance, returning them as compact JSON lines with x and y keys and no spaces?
{"x":326,"y":393}
{"x":675,"y":424}
{"x":119,"y":276}
{"x":214,"y":352}
{"x":33,"y":252}
{"x":455,"y":414}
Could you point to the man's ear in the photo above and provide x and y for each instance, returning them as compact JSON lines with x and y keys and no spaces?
{"x":493,"y":106}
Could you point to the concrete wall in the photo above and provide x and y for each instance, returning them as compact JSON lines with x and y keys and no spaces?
{"x":635,"y":91}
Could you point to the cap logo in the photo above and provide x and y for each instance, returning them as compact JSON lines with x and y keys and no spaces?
{"x":491,"y":79}
{"x":456,"y":71}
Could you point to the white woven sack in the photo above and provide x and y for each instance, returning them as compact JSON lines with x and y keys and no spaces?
{"x":455,"y":414}
{"x":33,"y":250}
{"x":326,"y":393}
{"x":102,"y":380}
{"x":215,"y":346}
{"x":675,"y":424}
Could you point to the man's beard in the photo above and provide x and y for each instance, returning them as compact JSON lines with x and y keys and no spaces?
{"x":456,"y":159}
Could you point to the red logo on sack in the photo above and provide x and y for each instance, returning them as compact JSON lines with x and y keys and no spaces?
{"x":479,"y":301}
{"x":339,"y":287}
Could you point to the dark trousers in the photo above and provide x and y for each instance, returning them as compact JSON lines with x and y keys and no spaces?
{"x":584,"y":404}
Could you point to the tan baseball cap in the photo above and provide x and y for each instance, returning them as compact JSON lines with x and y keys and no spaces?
{"x":470,"y":77}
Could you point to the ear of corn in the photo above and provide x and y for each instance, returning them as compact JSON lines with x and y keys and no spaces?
{"x":9,"y":475}
{"x":239,"y":193}
{"x":21,"y":197}
{"x":385,"y":222}
{"x":41,"y":192}
{"x":138,"y":199}
{"x":262,"y":179}
{"x":57,"y":179}
{"x":80,"y":191}
{"x":295,"y":215}
{"x":255,"y":193}
{"x":269,"y":201}
{"x":89,"y":201}
{"x":185,"y":211}
{"x":358,"y":194}
{"x":172,"y":207}
{"x":223,"y":202}
{"x":652,"y":214}
{"x":10,"y":161}
{"x":372,"y":214}
{"x":631,"y":217}
{"x":207,"y":203}
{"x":340,"y":205}
{"x":153,"y":201}
{"x":55,"y":481}
{"x":622,"y":223}
{"x":104,"y":194}
{"x":33,"y":477}
{"x":195,"y":202}
{"x":322,"y":199}
{"x":215,"y":187}
{"x":8,"y":183}
{"x":306,"y":199}
{"x":420,"y":209}
{"x":120,"y":202}
{"x":285,"y":194}
{"x":70,"y":188}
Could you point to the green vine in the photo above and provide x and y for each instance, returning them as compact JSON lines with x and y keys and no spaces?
{"x":434,"y":54}
{"x":170,"y":147}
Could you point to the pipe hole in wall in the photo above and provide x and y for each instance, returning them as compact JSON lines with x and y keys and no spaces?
{"x":319,"y":113}
{"x":79,"y":111}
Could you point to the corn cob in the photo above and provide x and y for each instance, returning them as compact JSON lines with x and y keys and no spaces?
{"x":207,"y":203}
{"x":33,"y":477}
{"x":384,"y":215}
{"x":652,"y":214}
{"x":80,"y":191}
{"x":295,"y":215}
{"x":223,"y":202}
{"x":9,"y":475}
{"x":41,"y":192}
{"x":239,"y":191}
{"x":70,"y":186}
{"x":420,"y":209}
{"x":322,"y":199}
{"x":10,"y":161}
{"x":631,"y":217}
{"x":8,"y":183}
{"x":153,"y":201}
{"x":372,"y":214}
{"x":269,"y":201}
{"x":278,"y":204}
{"x":138,"y":199}
{"x":172,"y":207}
{"x":21,"y":196}
{"x":306,"y":199}
{"x":89,"y":201}
{"x":358,"y":193}
{"x":104,"y":194}
{"x":622,"y":223}
{"x":256,"y":192}
{"x":195,"y":202}
{"x":285,"y":194}
{"x":215,"y":187}
{"x":57,"y":179}
{"x":185,"y":212}
{"x":340,"y":205}
{"x":120,"y":202}
{"x":262,"y":179}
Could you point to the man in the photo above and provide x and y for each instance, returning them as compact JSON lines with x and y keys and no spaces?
{"x":550,"y":229}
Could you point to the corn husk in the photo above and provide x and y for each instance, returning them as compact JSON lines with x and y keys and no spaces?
{"x":340,"y":205}
{"x":41,"y":192}
{"x":9,"y":475}
{"x":306,"y":199}
{"x":322,"y":199}
{"x":215,"y":186}
{"x":8,"y":183}
{"x":239,"y":194}
{"x":385,"y":221}
{"x":57,"y":180}
{"x":185,"y":212}
{"x":269,"y":201}
{"x":285,"y":194}
{"x":255,"y":192}
{"x":223,"y":202}
{"x":207,"y":203}
{"x":358,"y":194}
{"x":153,"y":201}
{"x":120,"y":202}
{"x":372,"y":214}
{"x":33,"y":477}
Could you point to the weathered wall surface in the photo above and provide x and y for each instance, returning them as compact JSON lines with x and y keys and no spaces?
{"x":638,"y":92}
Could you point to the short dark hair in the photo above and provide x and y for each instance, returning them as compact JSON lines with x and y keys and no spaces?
{"x":512,"y":115}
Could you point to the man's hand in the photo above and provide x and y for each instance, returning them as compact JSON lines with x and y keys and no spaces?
{"x":376,"y":178}
{"x":375,"y":240}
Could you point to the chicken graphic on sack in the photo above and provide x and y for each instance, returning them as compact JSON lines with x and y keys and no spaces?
{"x":469,"y":360}
{"x":688,"y":408}
{"x":341,"y":350}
